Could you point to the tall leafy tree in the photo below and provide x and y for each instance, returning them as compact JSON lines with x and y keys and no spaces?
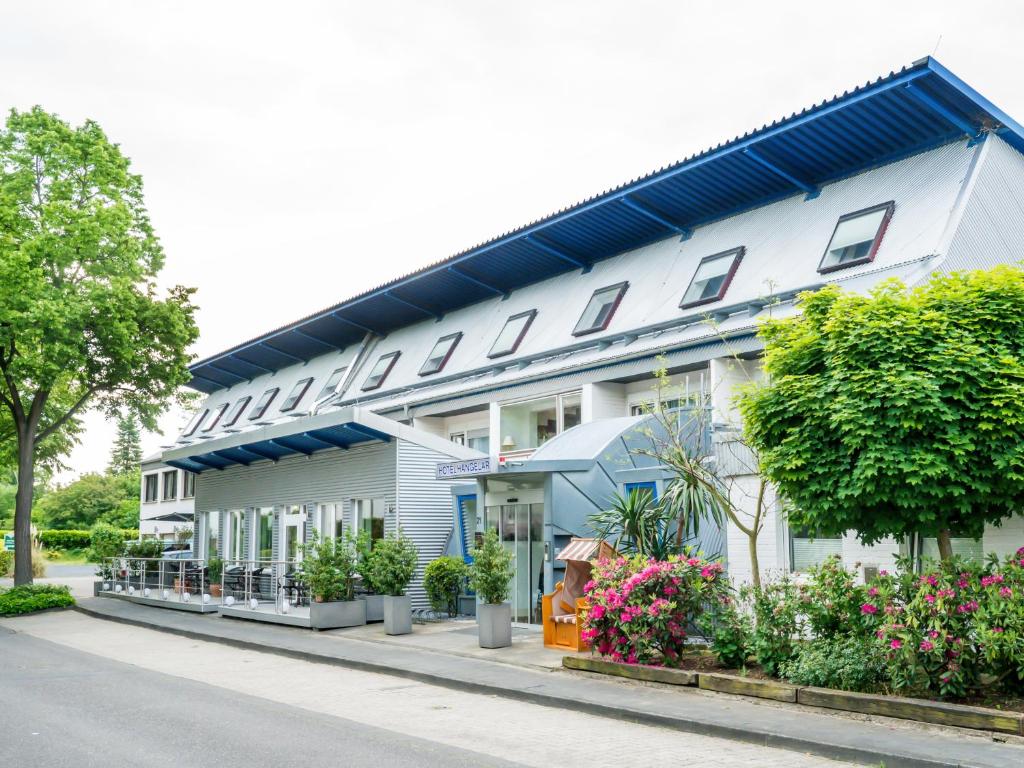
{"x":897,"y":412}
{"x":80,"y":313}
{"x":127,"y":450}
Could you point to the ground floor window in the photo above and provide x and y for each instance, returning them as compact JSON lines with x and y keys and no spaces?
{"x":236,"y":535}
{"x":368,"y":515}
{"x":264,"y":533}
{"x":806,"y":549}
{"x":212,"y":535}
{"x":968,"y":549}
{"x":331,"y":521}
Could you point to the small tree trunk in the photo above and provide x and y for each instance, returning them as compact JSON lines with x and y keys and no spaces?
{"x":945,"y":545}
{"x":755,"y":568}
{"x":23,"y":510}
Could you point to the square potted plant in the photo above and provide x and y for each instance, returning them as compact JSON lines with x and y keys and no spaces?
{"x":329,"y":572}
{"x":369,"y":591}
{"x":490,"y":576}
{"x":215,"y":571}
{"x":391,"y":565}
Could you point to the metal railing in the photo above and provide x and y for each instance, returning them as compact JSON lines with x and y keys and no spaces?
{"x":157,"y":578}
{"x":257,"y":584}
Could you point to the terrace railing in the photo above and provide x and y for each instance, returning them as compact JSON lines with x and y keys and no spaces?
{"x":260,"y":584}
{"x":158,"y":578}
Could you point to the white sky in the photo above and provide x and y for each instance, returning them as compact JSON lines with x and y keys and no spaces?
{"x":297,"y":153}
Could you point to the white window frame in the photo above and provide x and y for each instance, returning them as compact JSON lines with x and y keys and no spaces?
{"x":559,"y":416}
{"x":163,"y":484}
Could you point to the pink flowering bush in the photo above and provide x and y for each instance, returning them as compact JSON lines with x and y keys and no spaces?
{"x":641,"y":609}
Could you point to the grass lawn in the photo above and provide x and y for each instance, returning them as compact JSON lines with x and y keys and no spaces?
{"x":66,"y":557}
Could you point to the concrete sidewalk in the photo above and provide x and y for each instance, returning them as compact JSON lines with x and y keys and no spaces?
{"x":893,"y":744}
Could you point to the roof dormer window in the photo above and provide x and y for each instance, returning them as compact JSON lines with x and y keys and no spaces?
{"x":512,"y":334}
{"x":331,"y":385}
{"x":296,"y":395}
{"x":194,"y":424}
{"x":856,"y":238}
{"x":440,"y":354}
{"x":600,"y":309}
{"x":263,"y":403}
{"x":712,"y":278}
{"x":236,"y":411}
{"x":380,"y":371}
{"x":216,"y":417}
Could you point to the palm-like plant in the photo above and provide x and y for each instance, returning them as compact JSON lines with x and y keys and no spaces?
{"x":636,"y":524}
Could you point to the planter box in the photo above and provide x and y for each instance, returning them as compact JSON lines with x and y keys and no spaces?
{"x":936,"y":712}
{"x":631,"y":671}
{"x":337,"y":613}
{"x":397,"y":614}
{"x":467,"y":605}
{"x":97,"y":588}
{"x":374,"y":607}
{"x":494,"y":625}
{"x":748,"y":686}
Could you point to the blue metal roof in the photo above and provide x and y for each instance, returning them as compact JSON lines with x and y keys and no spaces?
{"x":904,"y":113}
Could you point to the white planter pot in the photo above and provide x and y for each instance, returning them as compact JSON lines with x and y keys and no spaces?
{"x":374,"y":607}
{"x":397,"y":614}
{"x":494,"y":624}
{"x":337,"y":613}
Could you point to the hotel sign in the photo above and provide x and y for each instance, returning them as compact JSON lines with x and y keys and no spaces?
{"x":467,"y":468}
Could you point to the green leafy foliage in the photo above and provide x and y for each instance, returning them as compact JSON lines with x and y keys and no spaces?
{"x":899,"y":411}
{"x":635,"y":524}
{"x":65,"y":539}
{"x":490,"y":574}
{"x":92,"y":498}
{"x":126,"y":452}
{"x":215,"y":569}
{"x":392,"y":563}
{"x":777,"y":625}
{"x":105,"y":542}
{"x":6,"y":563}
{"x":845,"y":662}
{"x":30,"y":598}
{"x":329,"y":567}
{"x":444,"y":580}
{"x":831,"y":601}
{"x":728,"y":630}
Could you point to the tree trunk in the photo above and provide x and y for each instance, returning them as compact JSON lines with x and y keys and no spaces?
{"x":755,"y":569}
{"x":945,"y":545}
{"x":23,"y":508}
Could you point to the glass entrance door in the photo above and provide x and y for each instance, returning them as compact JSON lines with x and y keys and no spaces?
{"x":521,"y":529}
{"x":293,"y":529}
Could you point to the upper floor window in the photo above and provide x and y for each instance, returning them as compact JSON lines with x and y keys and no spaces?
{"x":856,"y":237}
{"x":194,"y":424}
{"x":529,"y":424}
{"x":151,"y":487}
{"x":331,"y":385}
{"x":263,"y":403}
{"x":296,"y":394}
{"x":380,"y":371}
{"x":217,"y":413}
{"x":440,"y":354}
{"x":600,"y":309}
{"x":170,"y":485}
{"x":188,"y":485}
{"x":712,"y":278}
{"x":236,"y":411}
{"x":512,"y":334}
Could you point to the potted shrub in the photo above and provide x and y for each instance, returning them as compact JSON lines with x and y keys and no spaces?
{"x":329,"y":572}
{"x":214,"y":572}
{"x":443,"y":580}
{"x":370,"y":593}
{"x":391,"y":566}
{"x":105,"y":543}
{"x":490,"y":576}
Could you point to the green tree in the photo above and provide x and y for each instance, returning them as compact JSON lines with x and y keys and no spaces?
{"x":81,"y":321}
{"x":126,"y":454}
{"x":90,"y":499}
{"x":900,"y":411}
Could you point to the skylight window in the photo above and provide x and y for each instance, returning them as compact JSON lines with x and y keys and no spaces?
{"x":236,"y":411}
{"x":512,"y":334}
{"x":380,"y":371}
{"x":439,"y":355}
{"x":856,"y":238}
{"x":263,"y":403}
{"x":296,"y":394}
{"x":712,"y":278}
{"x":331,"y":385}
{"x":216,"y":417}
{"x":194,"y":424}
{"x":600,"y":309}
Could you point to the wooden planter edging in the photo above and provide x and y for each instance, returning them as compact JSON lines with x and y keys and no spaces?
{"x":921,"y":710}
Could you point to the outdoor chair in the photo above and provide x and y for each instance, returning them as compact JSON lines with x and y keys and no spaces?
{"x":293,"y":585}
{"x":564,"y":610}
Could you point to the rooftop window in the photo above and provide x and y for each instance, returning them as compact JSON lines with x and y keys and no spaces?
{"x":439,"y":355}
{"x":263,"y":403}
{"x":236,"y":411}
{"x":712,"y":278}
{"x":856,"y":238}
{"x":512,"y":334}
{"x":331,"y":385}
{"x":600,"y":309}
{"x":380,"y":371}
{"x":296,"y":394}
{"x":217,"y":413}
{"x":194,"y":424}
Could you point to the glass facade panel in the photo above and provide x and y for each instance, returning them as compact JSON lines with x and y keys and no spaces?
{"x":525,"y":426}
{"x":265,"y":533}
{"x":369,"y":515}
{"x":212,"y":535}
{"x":236,"y":525}
{"x":572,"y":411}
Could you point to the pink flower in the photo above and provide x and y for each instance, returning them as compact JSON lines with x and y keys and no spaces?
{"x":869,"y":609}
{"x":590,"y":586}
{"x":933,"y":634}
{"x":597,"y":612}
{"x":997,"y":629}
{"x":1005,"y":592}
{"x":926,"y":646}
{"x":929,"y":598}
{"x":963,"y":583}
{"x":873,"y":592}
{"x":896,"y":644}
{"x":883,"y":572}
{"x":693,"y":561}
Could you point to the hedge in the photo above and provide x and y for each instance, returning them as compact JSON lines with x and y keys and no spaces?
{"x":30,"y":598}
{"x":70,"y":539}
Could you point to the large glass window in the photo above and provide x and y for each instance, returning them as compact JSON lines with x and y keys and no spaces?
{"x":512,"y":334}
{"x":600,"y":309}
{"x":188,"y":485}
{"x":808,"y":550}
{"x":236,"y":527}
{"x":217,"y":413}
{"x":212,"y":535}
{"x":331,"y":522}
{"x":264,"y":533}
{"x":331,"y":385}
{"x":529,"y":424}
{"x":170,"y":485}
{"x":369,"y":517}
{"x":151,"y":487}
{"x":264,"y":402}
{"x":236,"y":411}
{"x":712,"y":278}
{"x":295,"y":396}
{"x":194,"y":424}
{"x":380,"y":371}
{"x":440,"y":354}
{"x":856,"y":237}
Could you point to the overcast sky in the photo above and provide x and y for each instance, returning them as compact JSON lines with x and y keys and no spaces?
{"x":297,"y":153}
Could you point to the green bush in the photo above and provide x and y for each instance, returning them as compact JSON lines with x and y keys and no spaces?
{"x":52,"y":539}
{"x":6,"y":563}
{"x":30,"y":598}
{"x":490,"y":575}
{"x":443,"y":580}
{"x":776,"y":608}
{"x":106,"y":542}
{"x":329,"y":568}
{"x":392,"y":563}
{"x":846,"y":663}
{"x":728,"y":630}
{"x":831,"y":600}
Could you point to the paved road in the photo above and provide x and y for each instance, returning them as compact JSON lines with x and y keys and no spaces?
{"x":99,"y":693}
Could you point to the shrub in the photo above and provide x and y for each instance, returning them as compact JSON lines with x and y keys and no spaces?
{"x":53,"y":539}
{"x":329,"y":568}
{"x":640,"y":608}
{"x":728,"y":630}
{"x":443,"y":580}
{"x":214,"y":569}
{"x":775,"y":607}
{"x":29,"y":598}
{"x":490,"y":574}
{"x":831,"y":601}
{"x":845,"y":662}
{"x":107,"y":541}
{"x":392,"y":563}
{"x":6,"y":563}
